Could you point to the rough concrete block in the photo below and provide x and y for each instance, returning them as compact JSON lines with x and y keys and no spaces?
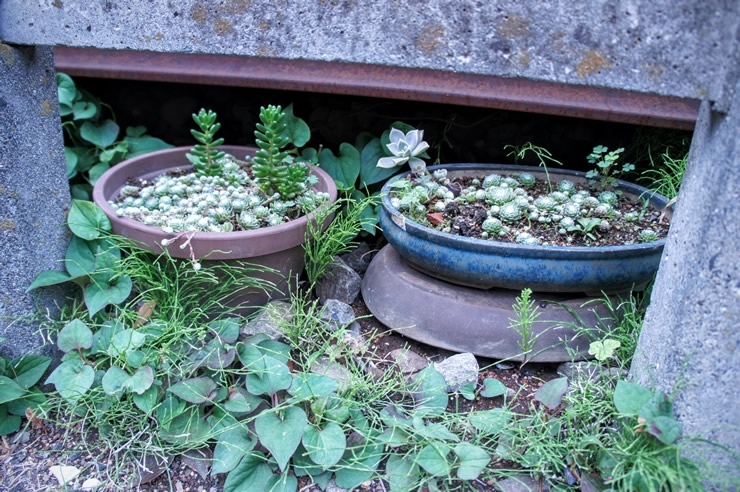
{"x":34,"y":194}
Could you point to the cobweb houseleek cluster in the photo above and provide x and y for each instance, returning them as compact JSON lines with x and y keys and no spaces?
{"x":512,"y":209}
{"x":220,"y":195}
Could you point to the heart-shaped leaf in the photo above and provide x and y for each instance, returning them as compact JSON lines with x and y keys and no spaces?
{"x":125,"y":340}
{"x":147,"y":401}
{"x":666,"y":429}
{"x":226,"y":329}
{"x":551,"y":393}
{"x":492,"y":388}
{"x":251,"y":474}
{"x":285,"y":482}
{"x":402,"y":473}
{"x":343,"y":169}
{"x":114,"y":380}
{"x":307,"y":385}
{"x":490,"y":421}
{"x":72,"y":379}
{"x":240,"y":402}
{"x":101,"y":136}
{"x":298,"y":131}
{"x":358,"y":465}
{"x":83,"y":110}
{"x":471,"y":460}
{"x":66,"y":90}
{"x":231,"y":447}
{"x":139,"y":145}
{"x":433,"y":459}
{"x":325,"y":446}
{"x":8,"y":423}
{"x":74,"y":336}
{"x":86,"y":220}
{"x":80,"y":258}
{"x":432,"y":392}
{"x":195,"y":390}
{"x":281,"y":434}
{"x":28,"y":369}
{"x":433,"y":430}
{"x":370,"y":173}
{"x":630,"y":397}
{"x":48,"y":277}
{"x":268,"y":376}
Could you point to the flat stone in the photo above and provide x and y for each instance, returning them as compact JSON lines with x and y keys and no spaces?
{"x":458,"y":370}
{"x":337,"y":314}
{"x":334,"y":370}
{"x":340,"y":282}
{"x":359,"y":258}
{"x":464,"y":319}
{"x":522,"y":483}
{"x":408,"y":361}
{"x":268,"y":320}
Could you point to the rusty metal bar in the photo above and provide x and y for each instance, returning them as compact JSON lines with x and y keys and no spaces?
{"x":384,"y":82}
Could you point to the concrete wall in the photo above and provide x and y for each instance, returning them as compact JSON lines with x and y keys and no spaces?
{"x":34,"y":194}
{"x":669,"y":47}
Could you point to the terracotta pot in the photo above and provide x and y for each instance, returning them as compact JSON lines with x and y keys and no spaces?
{"x":277,"y":247}
{"x":486,"y":264}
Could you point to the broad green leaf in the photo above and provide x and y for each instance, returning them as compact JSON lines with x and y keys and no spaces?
{"x":432,"y":389}
{"x":147,"y":401}
{"x":72,"y":379}
{"x":188,"y":427}
{"x":135,"y":131}
{"x":285,"y":482}
{"x":99,"y":295}
{"x":250,"y":475}
{"x":49,"y":277}
{"x":195,"y":390}
{"x":74,"y":336}
{"x":96,"y":171}
{"x":281,"y":434}
{"x":268,"y":376}
{"x":66,"y":90}
{"x":402,"y":473}
{"x":70,"y":156}
{"x":471,"y":460}
{"x":492,"y":388}
{"x":34,"y":398}
{"x":226,"y":329}
{"x":101,"y":136}
{"x":240,"y":401}
{"x":170,"y":408}
{"x":433,"y":459}
{"x":603,"y":350}
{"x":86,"y":220}
{"x":276,"y":350}
{"x":9,"y":390}
{"x":394,"y":437}
{"x":665,"y":429}
{"x":492,"y":421}
{"x":8,"y":423}
{"x":102,"y":338}
{"x":28,"y":369}
{"x":358,"y":466}
{"x":370,"y":173}
{"x":83,"y":110}
{"x":307,"y":385}
{"x":80,"y":257}
{"x":114,"y":380}
{"x":141,"y":381}
{"x":630,"y":397}
{"x":231,"y":447}
{"x":297,"y":129}
{"x":325,"y":446}
{"x":125,"y":340}
{"x":659,"y":405}
{"x":345,"y":168}
{"x":433,"y":430}
{"x":468,"y":391}
{"x":551,"y":393}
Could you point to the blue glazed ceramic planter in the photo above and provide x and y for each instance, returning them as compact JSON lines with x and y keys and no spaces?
{"x":486,"y":264}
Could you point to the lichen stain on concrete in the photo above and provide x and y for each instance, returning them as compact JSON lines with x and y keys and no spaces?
{"x":6,"y":52}
{"x":593,"y":62}
{"x":524,"y":58}
{"x":263,"y":25}
{"x":159,"y":36}
{"x":654,"y":72}
{"x":58,"y":4}
{"x":199,"y":13}
{"x":4,"y":191}
{"x":7,"y":225}
{"x":222,"y":26}
{"x":235,"y":6}
{"x":513,"y":26}
{"x":430,"y":40}
{"x":47,"y":107}
{"x":265,"y":51}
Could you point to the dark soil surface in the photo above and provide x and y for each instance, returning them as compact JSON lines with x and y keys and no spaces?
{"x":26,"y":457}
{"x":466,"y":220}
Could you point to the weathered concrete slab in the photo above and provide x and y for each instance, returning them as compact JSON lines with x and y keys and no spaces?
{"x":670,"y":47}
{"x":34,"y":194}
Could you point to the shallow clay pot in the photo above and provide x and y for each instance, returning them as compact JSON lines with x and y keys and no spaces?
{"x":277,"y":247}
{"x":486,"y":264}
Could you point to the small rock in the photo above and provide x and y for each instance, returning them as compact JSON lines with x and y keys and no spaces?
{"x":332,"y":486}
{"x":359,"y":259}
{"x":334,"y":370}
{"x":269,"y":320}
{"x":354,"y":339}
{"x":340,"y":282}
{"x":588,"y":371}
{"x":408,"y":361}
{"x":64,"y":474}
{"x":337,"y":314}
{"x":199,"y":460}
{"x":522,"y":483}
{"x":458,"y":370}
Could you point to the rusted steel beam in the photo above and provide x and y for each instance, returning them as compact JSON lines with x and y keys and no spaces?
{"x":384,"y":82}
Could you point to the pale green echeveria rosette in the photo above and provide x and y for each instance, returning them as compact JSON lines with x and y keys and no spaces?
{"x":405,"y":148}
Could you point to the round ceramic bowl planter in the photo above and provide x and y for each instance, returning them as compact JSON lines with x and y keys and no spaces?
{"x":485,"y":264}
{"x":277,"y":247}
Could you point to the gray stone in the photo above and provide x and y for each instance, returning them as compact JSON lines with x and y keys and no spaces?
{"x":354,"y":340}
{"x":337,"y":314}
{"x":270,"y":320}
{"x":458,"y":370}
{"x":326,"y":367}
{"x":522,"y":483}
{"x":332,"y":486}
{"x":408,"y":361}
{"x":359,"y":258}
{"x":339,"y":282}
{"x":34,"y":197}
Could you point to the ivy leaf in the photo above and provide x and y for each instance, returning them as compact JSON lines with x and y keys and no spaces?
{"x":101,"y":136}
{"x":281,"y":434}
{"x":194,"y":390}
{"x":551,"y":393}
{"x":74,"y":336}
{"x":603,"y":350}
{"x":472,"y":460}
{"x":433,"y":459}
{"x":325,"y":446}
{"x":492,"y":387}
{"x":86,"y":220}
